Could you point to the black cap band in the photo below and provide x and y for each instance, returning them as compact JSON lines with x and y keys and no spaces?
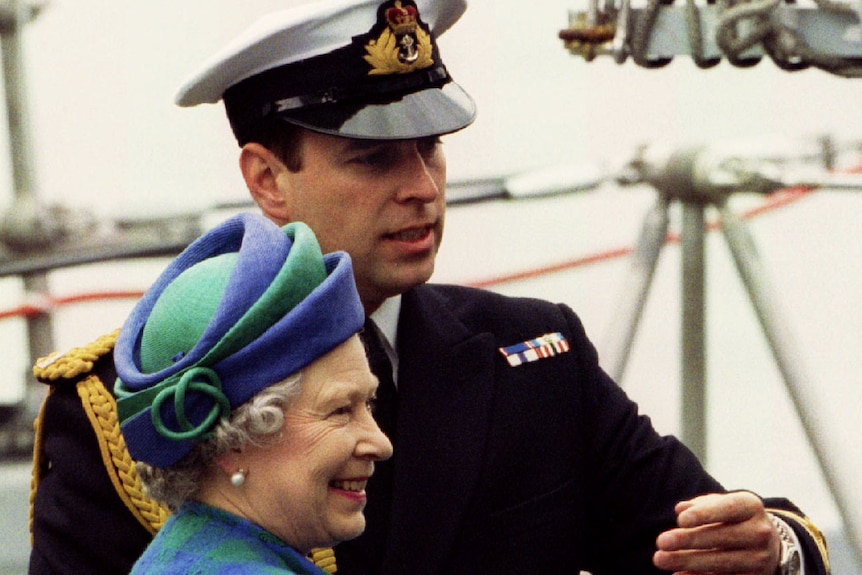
{"x":331,"y":80}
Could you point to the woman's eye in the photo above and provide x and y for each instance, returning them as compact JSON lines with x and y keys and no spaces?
{"x":354,"y":408}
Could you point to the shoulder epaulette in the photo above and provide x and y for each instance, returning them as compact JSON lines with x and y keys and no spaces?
{"x":75,"y":368}
{"x":76,"y":361}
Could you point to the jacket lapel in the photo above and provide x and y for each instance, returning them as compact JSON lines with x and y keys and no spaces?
{"x":445,"y":387}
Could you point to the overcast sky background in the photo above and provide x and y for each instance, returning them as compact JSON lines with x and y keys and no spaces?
{"x":102,"y":76}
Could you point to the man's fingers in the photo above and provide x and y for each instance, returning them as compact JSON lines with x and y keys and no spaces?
{"x":719,"y":533}
{"x":713,"y":536}
{"x":713,"y":561}
{"x":718,"y":508}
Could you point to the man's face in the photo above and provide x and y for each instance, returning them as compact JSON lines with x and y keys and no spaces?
{"x":383,"y":202}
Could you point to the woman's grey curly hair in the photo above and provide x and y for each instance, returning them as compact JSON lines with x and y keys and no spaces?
{"x":256,"y":422}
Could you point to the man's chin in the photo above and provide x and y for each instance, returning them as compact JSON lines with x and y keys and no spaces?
{"x":417,"y":277}
{"x":392,"y":280}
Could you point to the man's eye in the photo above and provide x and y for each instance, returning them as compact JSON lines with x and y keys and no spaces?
{"x":371,"y":404}
{"x":428,"y":145}
{"x":374,"y":159}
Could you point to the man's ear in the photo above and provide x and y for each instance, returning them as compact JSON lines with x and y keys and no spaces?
{"x":260,"y":169}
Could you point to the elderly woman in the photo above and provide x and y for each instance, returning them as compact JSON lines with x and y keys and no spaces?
{"x":245,"y":395}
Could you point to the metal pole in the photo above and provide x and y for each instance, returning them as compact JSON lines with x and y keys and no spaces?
{"x":693,"y":322}
{"x":642,"y":264}
{"x":39,"y":328}
{"x":685,"y":176}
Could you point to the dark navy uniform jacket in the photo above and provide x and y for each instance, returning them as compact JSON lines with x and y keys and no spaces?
{"x":542,"y":467}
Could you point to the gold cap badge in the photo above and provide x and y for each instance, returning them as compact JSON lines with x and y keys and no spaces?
{"x":403,"y":46}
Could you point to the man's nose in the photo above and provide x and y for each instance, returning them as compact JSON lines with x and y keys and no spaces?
{"x":420,"y":180}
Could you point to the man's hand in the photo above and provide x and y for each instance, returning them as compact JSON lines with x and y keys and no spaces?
{"x":720,"y":533}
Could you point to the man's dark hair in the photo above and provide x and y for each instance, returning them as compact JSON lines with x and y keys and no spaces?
{"x":282,"y":139}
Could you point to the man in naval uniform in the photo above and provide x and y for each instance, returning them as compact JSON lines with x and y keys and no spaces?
{"x":514,"y":451}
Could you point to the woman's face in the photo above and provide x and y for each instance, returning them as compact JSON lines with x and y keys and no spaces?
{"x":309,"y":488}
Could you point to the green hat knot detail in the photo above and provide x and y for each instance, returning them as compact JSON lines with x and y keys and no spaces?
{"x":202,"y":380}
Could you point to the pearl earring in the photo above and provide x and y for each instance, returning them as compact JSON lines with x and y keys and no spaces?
{"x":238,"y":478}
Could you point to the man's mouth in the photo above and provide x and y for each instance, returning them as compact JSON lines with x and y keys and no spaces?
{"x":410,"y":235}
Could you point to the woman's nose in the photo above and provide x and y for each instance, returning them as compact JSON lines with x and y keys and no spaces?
{"x":374,"y":444}
{"x":382,"y":444}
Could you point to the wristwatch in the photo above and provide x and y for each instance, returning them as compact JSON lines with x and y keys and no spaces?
{"x":789,"y":560}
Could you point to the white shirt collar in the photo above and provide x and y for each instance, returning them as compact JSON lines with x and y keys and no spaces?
{"x":386,"y":320}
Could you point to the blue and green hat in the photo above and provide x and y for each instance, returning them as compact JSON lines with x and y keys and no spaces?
{"x":242,"y":308}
